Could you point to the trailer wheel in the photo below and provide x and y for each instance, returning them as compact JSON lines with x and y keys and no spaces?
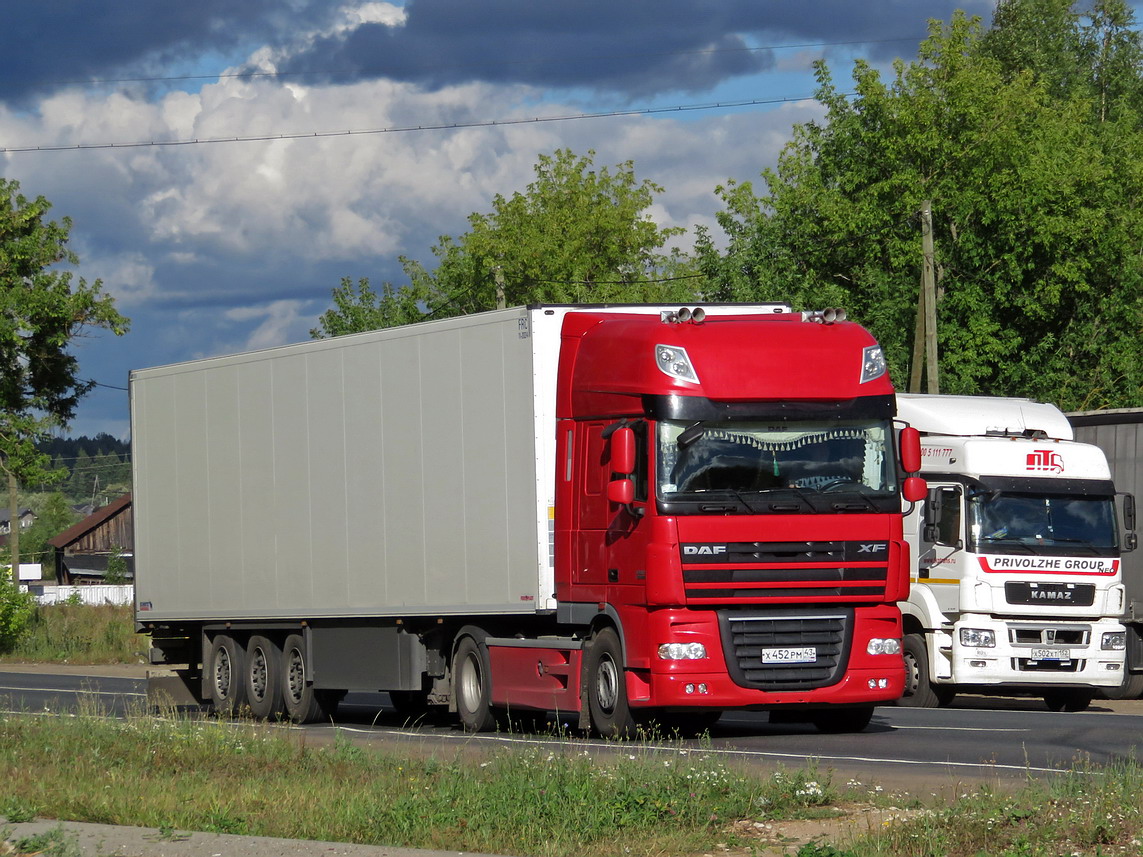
{"x":919,"y":691}
{"x":226,"y":675}
{"x":471,"y":687}
{"x":838,"y":720}
{"x":298,"y":694}
{"x":607,"y":687}
{"x":1068,"y":699}
{"x":264,"y":678}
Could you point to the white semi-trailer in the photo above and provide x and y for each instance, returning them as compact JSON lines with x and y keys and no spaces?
{"x":1016,"y":578}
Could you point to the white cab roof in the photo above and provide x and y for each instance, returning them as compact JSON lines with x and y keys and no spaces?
{"x":966,"y":416}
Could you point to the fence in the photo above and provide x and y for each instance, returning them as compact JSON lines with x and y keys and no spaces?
{"x":94,"y":594}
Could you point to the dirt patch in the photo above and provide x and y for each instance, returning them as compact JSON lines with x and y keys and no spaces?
{"x":769,"y":838}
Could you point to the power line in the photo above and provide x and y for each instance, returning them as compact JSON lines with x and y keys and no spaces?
{"x":493,"y":123}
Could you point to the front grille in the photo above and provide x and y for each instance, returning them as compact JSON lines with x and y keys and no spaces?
{"x":1045,"y":635}
{"x":747,"y":636}
{"x":771,"y":571}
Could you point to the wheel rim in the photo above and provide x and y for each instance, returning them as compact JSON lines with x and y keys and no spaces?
{"x":258,"y":675}
{"x":912,"y":675}
{"x":296,"y":677}
{"x":607,"y":684}
{"x":222,"y":668}
{"x":471,"y":683}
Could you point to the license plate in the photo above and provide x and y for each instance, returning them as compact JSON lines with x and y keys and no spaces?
{"x":1051,"y":655}
{"x":800,"y":655}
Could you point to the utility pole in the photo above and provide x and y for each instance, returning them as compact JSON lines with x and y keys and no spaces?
{"x":925,"y":334}
{"x":498,"y":275}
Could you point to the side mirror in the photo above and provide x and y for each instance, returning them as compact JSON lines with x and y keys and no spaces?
{"x":621,"y":491}
{"x":910,"y":442}
{"x":915,"y":489}
{"x":1129,"y":511}
{"x":622,"y":449}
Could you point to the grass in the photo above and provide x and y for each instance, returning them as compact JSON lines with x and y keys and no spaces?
{"x":554,"y":801}
{"x":80,"y":634}
{"x":247,"y":778}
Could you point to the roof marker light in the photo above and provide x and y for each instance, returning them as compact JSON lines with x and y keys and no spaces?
{"x":674,"y":362}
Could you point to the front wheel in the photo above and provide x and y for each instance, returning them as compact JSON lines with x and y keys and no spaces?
{"x":919,"y":691}
{"x":607,"y":687}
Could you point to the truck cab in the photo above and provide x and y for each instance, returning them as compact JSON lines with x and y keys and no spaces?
{"x":1015,"y":572}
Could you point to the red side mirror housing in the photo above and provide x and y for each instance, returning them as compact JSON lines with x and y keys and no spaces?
{"x":621,"y":491}
{"x":623,"y":451}
{"x":910,"y":442}
{"x":915,"y":489}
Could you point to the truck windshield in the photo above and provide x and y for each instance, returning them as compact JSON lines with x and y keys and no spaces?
{"x":1010,"y":522}
{"x":750,"y":467}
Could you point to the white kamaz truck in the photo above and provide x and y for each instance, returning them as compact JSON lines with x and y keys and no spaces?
{"x":1016,"y":578}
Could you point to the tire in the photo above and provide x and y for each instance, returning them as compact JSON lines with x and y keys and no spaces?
{"x":607,"y":687}
{"x":1068,"y":699}
{"x":919,"y":691}
{"x":839,"y":720}
{"x":298,"y":696}
{"x":226,"y":671}
{"x":472,"y":689}
{"x":1132,"y":688}
{"x":264,"y":678}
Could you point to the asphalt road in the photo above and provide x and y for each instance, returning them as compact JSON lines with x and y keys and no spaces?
{"x":979,"y":739}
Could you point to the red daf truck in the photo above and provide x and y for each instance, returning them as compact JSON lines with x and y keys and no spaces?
{"x":608,"y":512}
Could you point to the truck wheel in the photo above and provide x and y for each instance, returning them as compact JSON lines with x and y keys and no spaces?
{"x":607,"y":687}
{"x":919,"y":692}
{"x":1132,"y":688}
{"x":471,"y":687}
{"x":1068,"y":699}
{"x":838,"y":720}
{"x":264,"y":678}
{"x":298,"y":694}
{"x":226,"y":675}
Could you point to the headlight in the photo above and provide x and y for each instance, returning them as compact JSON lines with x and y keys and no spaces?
{"x":873,"y":363}
{"x":978,"y":638}
{"x":682,"y":651}
{"x":674,"y":362}
{"x":884,"y":646}
{"x":1114,"y":641}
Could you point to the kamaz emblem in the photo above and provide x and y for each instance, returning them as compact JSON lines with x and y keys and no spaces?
{"x":1045,"y":460}
{"x":875,"y":547}
{"x":704,"y":550}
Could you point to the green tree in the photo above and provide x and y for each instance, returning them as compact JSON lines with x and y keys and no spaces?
{"x":578,"y":234}
{"x":41,"y":309}
{"x":53,"y":515}
{"x":1033,"y":189}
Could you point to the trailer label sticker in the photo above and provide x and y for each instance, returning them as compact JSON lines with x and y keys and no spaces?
{"x":1051,"y":564}
{"x":786,"y":655}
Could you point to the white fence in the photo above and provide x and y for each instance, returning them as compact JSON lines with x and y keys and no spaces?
{"x":94,"y":594}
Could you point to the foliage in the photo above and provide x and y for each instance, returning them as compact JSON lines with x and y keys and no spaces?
{"x":16,"y":610}
{"x":576,"y":235}
{"x":41,"y":311}
{"x":80,"y":633}
{"x":1032,"y":161}
{"x":53,"y":516}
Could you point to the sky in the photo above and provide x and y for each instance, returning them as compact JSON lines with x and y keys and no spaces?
{"x":200,"y":149}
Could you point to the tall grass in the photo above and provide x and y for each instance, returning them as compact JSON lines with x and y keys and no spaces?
{"x":80,"y":634}
{"x":252,"y":779}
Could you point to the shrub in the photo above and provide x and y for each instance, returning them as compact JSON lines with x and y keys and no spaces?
{"x":16,"y":609}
